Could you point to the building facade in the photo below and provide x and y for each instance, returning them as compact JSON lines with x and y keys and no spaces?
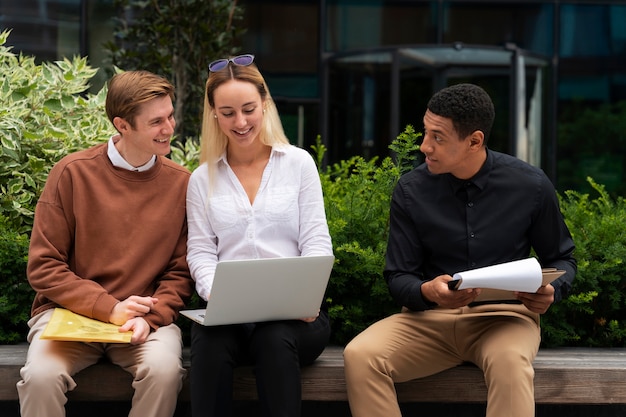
{"x":357,"y":72}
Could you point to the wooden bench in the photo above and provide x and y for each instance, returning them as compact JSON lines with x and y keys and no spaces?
{"x":562,"y":376}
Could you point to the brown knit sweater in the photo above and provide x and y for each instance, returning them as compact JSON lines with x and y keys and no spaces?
{"x":102,"y":234}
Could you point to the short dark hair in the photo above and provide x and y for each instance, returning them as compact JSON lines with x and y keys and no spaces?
{"x":469,"y":107}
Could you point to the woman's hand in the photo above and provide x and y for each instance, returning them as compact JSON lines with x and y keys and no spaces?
{"x":311,"y":319}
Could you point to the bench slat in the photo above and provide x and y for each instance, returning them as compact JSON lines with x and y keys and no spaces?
{"x":562,"y":376}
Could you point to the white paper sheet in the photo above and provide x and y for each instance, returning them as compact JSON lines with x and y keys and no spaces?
{"x":524,"y":275}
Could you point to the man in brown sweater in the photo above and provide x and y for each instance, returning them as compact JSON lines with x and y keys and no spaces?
{"x":109,"y":242}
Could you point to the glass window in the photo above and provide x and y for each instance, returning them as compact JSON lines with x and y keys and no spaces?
{"x":585,"y":31}
{"x":592,"y":47}
{"x":300,"y":121}
{"x":354,"y":24}
{"x":618,"y":29}
{"x":374,"y":95}
{"x":284,"y":37}
{"x":592,"y":30}
{"x":49,"y":30}
{"x":99,"y":27}
{"x":592,"y":75}
{"x":591,"y":88}
{"x":359,"y":107}
{"x":527,"y":24}
{"x":282,"y":34}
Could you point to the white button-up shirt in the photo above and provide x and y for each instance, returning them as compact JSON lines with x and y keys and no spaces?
{"x":118,"y":160}
{"x":287,"y":217}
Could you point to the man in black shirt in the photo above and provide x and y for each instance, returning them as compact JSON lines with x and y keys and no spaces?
{"x":466,"y":207}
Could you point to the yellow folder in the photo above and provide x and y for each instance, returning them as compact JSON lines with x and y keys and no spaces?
{"x":69,"y":326}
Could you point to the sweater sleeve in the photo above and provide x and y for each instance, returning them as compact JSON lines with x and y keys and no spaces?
{"x":48,"y":270}
{"x":173,"y":287}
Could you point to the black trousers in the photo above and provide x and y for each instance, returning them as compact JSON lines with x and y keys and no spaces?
{"x":276,"y":349}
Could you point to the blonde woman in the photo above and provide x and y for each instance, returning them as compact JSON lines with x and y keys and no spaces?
{"x":253,"y":196}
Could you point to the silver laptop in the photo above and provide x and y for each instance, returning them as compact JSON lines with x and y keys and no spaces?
{"x":256,"y":290}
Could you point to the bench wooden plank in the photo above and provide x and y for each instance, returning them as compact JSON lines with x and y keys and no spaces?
{"x":581,"y":375}
{"x":562,"y":376}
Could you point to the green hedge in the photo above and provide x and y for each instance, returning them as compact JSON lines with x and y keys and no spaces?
{"x":595,"y":312}
{"x":45,"y":114}
{"x":16,"y":296}
{"x":357,"y":194}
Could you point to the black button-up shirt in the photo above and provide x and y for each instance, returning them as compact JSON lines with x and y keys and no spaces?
{"x":440,"y":224}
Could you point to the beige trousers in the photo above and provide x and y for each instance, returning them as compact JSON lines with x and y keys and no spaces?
{"x":156,"y":366}
{"x":502,"y":340}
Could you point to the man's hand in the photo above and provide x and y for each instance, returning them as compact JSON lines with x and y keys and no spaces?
{"x":140,"y":329}
{"x":133,"y":306}
{"x":538,"y":302}
{"x":437,"y":291}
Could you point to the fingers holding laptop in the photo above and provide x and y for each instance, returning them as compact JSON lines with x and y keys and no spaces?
{"x":133,"y":306}
{"x":311,"y":319}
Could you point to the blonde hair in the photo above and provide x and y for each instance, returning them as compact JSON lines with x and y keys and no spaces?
{"x":127,"y":91}
{"x":213,"y":141}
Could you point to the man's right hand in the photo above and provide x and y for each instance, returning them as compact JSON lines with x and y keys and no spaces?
{"x":133,"y":306}
{"x":437,"y":291}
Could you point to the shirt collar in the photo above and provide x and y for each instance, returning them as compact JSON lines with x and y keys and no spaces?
{"x":479,"y":179}
{"x":118,"y":161}
{"x":275,"y":149}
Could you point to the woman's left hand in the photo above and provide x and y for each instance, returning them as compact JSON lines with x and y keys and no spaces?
{"x":311,"y":319}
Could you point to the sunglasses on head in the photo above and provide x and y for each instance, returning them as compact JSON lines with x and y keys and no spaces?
{"x":241,"y":60}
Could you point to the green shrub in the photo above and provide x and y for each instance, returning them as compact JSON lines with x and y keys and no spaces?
{"x":44,"y":115}
{"x":602,"y":129}
{"x":357,"y":195}
{"x":16,"y":296}
{"x":594,"y":314}
{"x":186,"y":154}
